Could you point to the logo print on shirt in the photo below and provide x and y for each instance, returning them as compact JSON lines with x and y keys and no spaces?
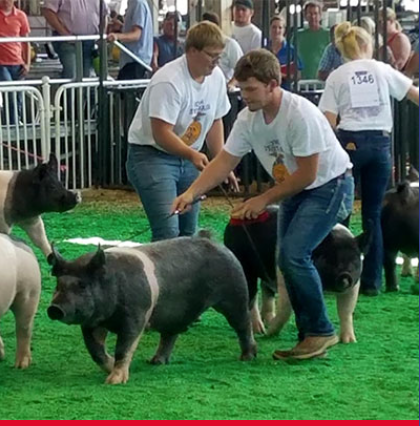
{"x":279,"y":170}
{"x":193,"y":131}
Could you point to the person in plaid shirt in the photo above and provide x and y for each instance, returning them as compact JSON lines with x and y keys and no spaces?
{"x":331,"y":58}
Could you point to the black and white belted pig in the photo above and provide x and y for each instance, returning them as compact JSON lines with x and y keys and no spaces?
{"x":400,"y":228}
{"x":26,"y":194}
{"x":166,"y":285}
{"x":20,"y":289}
{"x":337,"y":259}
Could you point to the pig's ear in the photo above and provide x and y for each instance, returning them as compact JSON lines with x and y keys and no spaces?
{"x":53,"y":163}
{"x":98,"y":260}
{"x":56,"y":261}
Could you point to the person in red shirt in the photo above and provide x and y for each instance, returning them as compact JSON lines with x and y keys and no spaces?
{"x":14,"y":57}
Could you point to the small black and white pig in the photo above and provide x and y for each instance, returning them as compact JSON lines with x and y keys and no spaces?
{"x":400,"y":228}
{"x":26,"y":194}
{"x":337,"y":258}
{"x":20,"y":289}
{"x":166,"y":285}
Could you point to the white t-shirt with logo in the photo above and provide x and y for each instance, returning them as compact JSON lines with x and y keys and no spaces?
{"x":176,"y":98}
{"x":248,"y":37}
{"x":230,"y":56}
{"x":299,"y":130}
{"x":359,"y":92}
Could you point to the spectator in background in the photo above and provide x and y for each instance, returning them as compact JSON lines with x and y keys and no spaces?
{"x":137,"y":36}
{"x":244,"y":32}
{"x":412,"y":68}
{"x":164,"y":45}
{"x":312,"y":41}
{"x":369,"y":25}
{"x":228,"y":60}
{"x":116,"y":23}
{"x":331,"y":58}
{"x":278,"y":45}
{"x":14,"y":57}
{"x":73,"y":17}
{"x":231,"y":53}
{"x":396,"y":39}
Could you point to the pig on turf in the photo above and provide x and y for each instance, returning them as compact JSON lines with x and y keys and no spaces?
{"x":166,"y":285}
{"x":337,"y":258}
{"x":20,"y":289}
{"x":400,"y":229}
{"x":26,"y":194}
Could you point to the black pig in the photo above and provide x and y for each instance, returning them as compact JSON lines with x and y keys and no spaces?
{"x":337,"y":258}
{"x":25,"y":195}
{"x":400,"y":228}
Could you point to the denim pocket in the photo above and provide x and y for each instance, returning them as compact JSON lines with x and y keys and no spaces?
{"x":335,"y":194}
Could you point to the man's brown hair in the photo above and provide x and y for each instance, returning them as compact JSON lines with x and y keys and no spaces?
{"x":260,"y":64}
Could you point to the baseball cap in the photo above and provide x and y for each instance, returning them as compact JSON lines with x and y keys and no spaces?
{"x":244,"y":3}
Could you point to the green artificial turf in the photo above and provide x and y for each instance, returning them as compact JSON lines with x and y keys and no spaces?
{"x":376,"y":378}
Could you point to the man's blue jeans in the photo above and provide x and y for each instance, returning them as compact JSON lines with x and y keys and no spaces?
{"x":67,"y":54}
{"x":370,"y":153}
{"x":159,"y":178}
{"x":305,"y":219}
{"x":11,"y":73}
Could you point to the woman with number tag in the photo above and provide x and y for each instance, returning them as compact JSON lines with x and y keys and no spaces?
{"x":359,"y":93}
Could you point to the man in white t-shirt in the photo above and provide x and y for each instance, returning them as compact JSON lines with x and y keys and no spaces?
{"x":244,"y":32}
{"x":181,"y":108}
{"x":294,"y":142}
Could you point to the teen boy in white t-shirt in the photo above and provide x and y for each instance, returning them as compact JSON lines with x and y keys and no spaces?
{"x":181,"y":108}
{"x":296,"y":145}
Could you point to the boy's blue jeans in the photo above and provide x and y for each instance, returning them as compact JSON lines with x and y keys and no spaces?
{"x":370,"y":153}
{"x":159,"y":178}
{"x":305,"y":219}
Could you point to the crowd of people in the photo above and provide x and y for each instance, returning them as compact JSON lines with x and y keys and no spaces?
{"x":317,"y":54}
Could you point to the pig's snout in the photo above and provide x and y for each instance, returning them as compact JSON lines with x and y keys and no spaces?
{"x":344,"y":281}
{"x":55,"y":313}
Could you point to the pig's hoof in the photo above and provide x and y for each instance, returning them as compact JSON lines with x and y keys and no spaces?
{"x":108,"y":366}
{"x":258,"y":327}
{"x":117,"y":377}
{"x":348,"y":338}
{"x":274,"y":327}
{"x":267,"y":318}
{"x":159,"y":360}
{"x":2,"y":353}
{"x":23,"y":362}
{"x":248,"y":356}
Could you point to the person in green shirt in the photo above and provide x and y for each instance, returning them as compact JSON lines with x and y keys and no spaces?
{"x":311,"y":41}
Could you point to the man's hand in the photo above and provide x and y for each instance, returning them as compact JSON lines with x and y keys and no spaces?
{"x":183,"y":203}
{"x":24,"y":70}
{"x":232,"y":182}
{"x":111,"y":37}
{"x":199,"y":160}
{"x":250,"y":209}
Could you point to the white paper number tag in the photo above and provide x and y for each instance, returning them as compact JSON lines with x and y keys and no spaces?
{"x":364,"y":91}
